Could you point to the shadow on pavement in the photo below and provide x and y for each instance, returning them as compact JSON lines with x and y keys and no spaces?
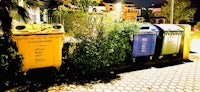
{"x":42,"y":79}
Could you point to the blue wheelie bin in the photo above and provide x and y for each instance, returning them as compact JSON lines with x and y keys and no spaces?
{"x":144,"y":41}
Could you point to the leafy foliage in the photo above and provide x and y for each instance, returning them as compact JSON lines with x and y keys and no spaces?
{"x":105,"y":39}
{"x":10,"y":9}
{"x":106,"y":46}
{"x":197,"y":25}
{"x":84,"y":4}
{"x":10,"y":59}
{"x":72,"y":20}
{"x":182,"y":10}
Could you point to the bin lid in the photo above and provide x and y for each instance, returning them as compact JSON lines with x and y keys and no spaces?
{"x":31,"y":29}
{"x":169,"y":27}
{"x":148,"y":27}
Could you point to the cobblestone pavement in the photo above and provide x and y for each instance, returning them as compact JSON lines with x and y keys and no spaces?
{"x":178,"y":78}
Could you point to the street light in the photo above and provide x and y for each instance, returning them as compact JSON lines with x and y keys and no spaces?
{"x":21,"y":3}
{"x":172,"y":12}
{"x":119,"y":7}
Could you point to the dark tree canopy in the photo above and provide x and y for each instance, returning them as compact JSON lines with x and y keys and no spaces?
{"x":182,"y":10}
{"x":7,"y":6}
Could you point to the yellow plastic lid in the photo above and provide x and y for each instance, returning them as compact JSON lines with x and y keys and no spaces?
{"x":34,"y":29}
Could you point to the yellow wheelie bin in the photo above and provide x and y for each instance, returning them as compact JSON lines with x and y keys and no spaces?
{"x":185,"y":41}
{"x":40,"y":44}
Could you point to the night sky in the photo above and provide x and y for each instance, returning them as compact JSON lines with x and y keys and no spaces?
{"x":148,"y":3}
{"x":140,"y":3}
{"x":145,"y":3}
{"x":196,"y":3}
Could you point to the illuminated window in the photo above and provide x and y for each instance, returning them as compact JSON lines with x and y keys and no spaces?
{"x":129,"y":10}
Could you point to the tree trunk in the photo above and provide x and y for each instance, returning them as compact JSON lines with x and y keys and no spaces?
{"x":6,"y":21}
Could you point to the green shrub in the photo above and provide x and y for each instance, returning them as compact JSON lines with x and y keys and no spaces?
{"x":105,"y":41}
{"x":11,"y":60}
{"x":106,"y":49}
{"x":197,"y":25}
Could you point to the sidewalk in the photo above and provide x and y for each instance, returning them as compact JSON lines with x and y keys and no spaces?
{"x":178,"y":78}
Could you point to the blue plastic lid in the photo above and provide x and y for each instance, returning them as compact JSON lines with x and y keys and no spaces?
{"x":148,"y":27}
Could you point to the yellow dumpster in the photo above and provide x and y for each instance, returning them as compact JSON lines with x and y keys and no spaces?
{"x":195,"y":42}
{"x":185,"y":42}
{"x":40,"y":44}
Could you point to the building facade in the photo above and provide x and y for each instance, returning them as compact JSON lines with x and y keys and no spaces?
{"x":128,"y":11}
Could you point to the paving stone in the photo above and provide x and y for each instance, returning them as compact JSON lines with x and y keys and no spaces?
{"x":148,"y":86}
{"x":134,"y":83}
{"x":91,"y":90}
{"x":179,"y":90}
{"x":116,"y":84}
{"x":172,"y":87}
{"x":82,"y":89}
{"x":170,"y":90}
{"x":180,"y":87}
{"x":188,"y":90}
{"x":95,"y":86}
{"x":197,"y":85}
{"x":137,"y":89}
{"x":152,"y":80}
{"x":123,"y":85}
{"x":189,"y":84}
{"x":107,"y":90}
{"x":142,"y":83}
{"x":159,"y":81}
{"x":99,"y":90}
{"x":161,"y":90}
{"x":144,"y":80}
{"x":112,"y":87}
{"x":120,"y":88}
{"x":149,"y":83}
{"x":155,"y":86}
{"x":178,"y":78}
{"x":164,"y":87}
{"x":195,"y":90}
{"x":72,"y":86}
{"x":139,"y":86}
{"x":128,"y":88}
{"x":145,"y":89}
{"x":132,"y":91}
{"x":116,"y":90}
{"x":165,"y":84}
{"x":128,"y":80}
{"x":188,"y":87}
{"x":154,"y":90}
{"x":167,"y":81}
{"x":103,"y":87}
{"x":174,"y":81}
{"x":173,"y":84}
{"x":181,"y":84}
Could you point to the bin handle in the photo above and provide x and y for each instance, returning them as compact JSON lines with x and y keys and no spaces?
{"x":21,"y":27}
{"x":57,"y":26}
{"x":45,"y":28}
